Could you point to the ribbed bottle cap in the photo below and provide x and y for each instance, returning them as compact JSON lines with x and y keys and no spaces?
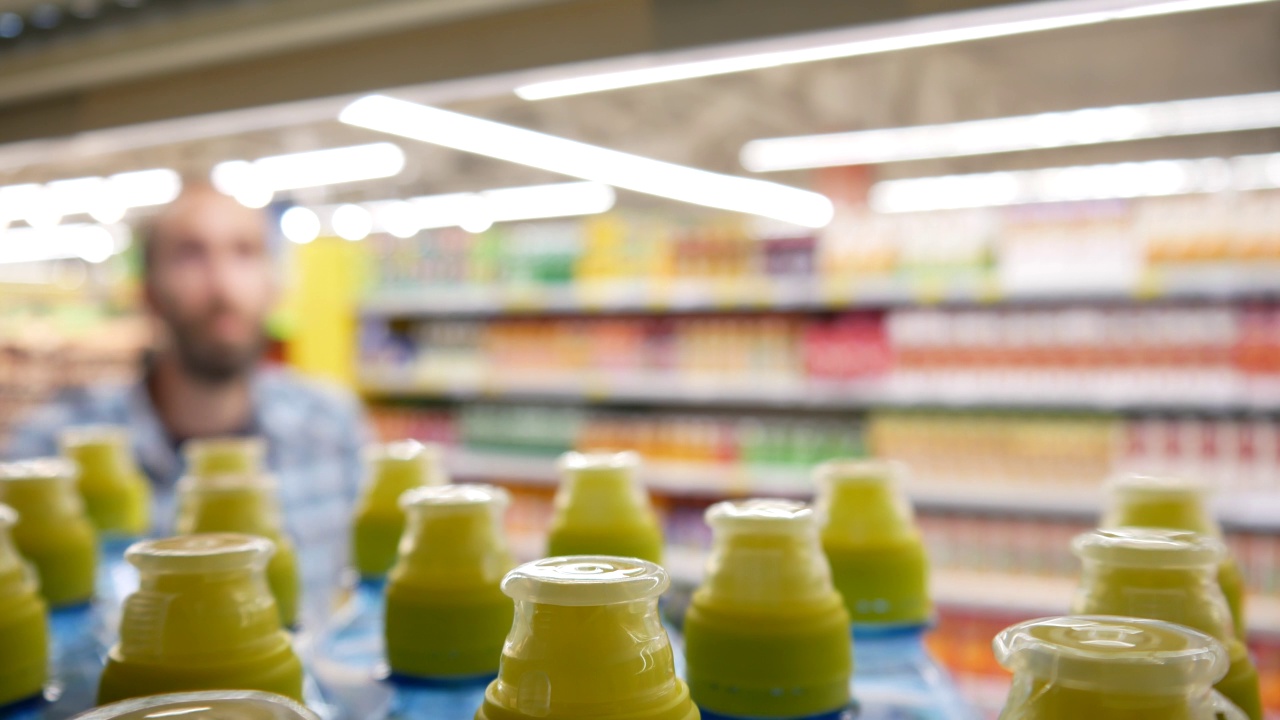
{"x":98,"y":435}
{"x":205,"y":705}
{"x":225,"y":455}
{"x":1156,"y":501}
{"x":455,"y":498}
{"x":1112,"y":654}
{"x":1149,"y":548}
{"x":862,"y":501}
{"x":585,"y":580}
{"x":38,"y":469}
{"x":200,"y":554}
{"x":424,"y":461}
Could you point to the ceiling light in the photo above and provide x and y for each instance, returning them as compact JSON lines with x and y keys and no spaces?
{"x":351,"y":222}
{"x":93,"y":243}
{"x":104,"y":199}
{"x":1069,"y":184}
{"x":300,"y":225}
{"x":252,"y":180}
{"x":917,"y":32}
{"x":1010,"y":134}
{"x":589,"y":162}
{"x":398,"y":217}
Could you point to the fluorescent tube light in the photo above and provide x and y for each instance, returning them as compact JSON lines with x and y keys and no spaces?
{"x":351,"y":222}
{"x":300,"y":225}
{"x":105,"y":199}
{"x":93,"y":243}
{"x":940,"y":29}
{"x":1068,"y":184}
{"x":1089,"y":126}
{"x":589,"y":162}
{"x":255,"y":182}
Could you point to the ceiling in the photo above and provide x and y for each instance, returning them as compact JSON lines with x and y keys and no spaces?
{"x":704,"y":122}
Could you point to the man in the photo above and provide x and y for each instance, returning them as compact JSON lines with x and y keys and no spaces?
{"x":209,"y":280}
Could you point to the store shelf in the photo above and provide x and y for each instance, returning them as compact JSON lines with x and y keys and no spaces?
{"x":1252,"y":512}
{"x":1210,"y":282}
{"x":1149,"y":391}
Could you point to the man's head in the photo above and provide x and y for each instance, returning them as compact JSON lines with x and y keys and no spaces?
{"x":209,"y":278}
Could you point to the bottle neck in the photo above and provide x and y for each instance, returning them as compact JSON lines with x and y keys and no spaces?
{"x":252,"y":511}
{"x":1184,"y":595}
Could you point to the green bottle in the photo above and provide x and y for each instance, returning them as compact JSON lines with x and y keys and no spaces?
{"x":379,"y":521}
{"x":203,"y":618}
{"x":1166,"y":575}
{"x":52,"y":533}
{"x":24,"y":622}
{"x":116,"y":496}
{"x":601,"y":509}
{"x":767,"y":635}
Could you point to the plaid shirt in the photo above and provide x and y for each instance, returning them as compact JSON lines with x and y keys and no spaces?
{"x":314,"y":436}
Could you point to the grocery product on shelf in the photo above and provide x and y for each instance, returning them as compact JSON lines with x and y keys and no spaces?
{"x":203,"y":618}
{"x":54,"y":534}
{"x":378,"y":523}
{"x":24,"y":630}
{"x":1147,"y":501}
{"x":602,"y":509}
{"x":1168,"y":575}
{"x":244,"y":503}
{"x":445,"y":620}
{"x":767,"y":634}
{"x":225,"y":456}
{"x":880,"y":567}
{"x":1076,"y":355}
{"x":117,"y":498}
{"x":587,"y":643}
{"x":1111,"y":668}
{"x":205,"y":705}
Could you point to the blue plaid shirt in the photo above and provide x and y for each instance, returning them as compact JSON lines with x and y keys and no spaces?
{"x":314,"y":436}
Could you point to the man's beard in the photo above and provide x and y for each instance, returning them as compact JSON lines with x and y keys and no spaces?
{"x":211,"y":362}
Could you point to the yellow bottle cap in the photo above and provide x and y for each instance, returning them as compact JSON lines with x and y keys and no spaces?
{"x":1121,"y":655}
{"x":1141,"y":547}
{"x":117,"y":497}
{"x":1152,"y":501}
{"x":205,"y":705}
{"x":602,"y":509}
{"x":52,"y":533}
{"x":225,"y":455}
{"x":587,"y":643}
{"x":24,"y":632}
{"x":446,"y":614}
{"x":379,"y":522}
{"x":877,"y":556}
{"x":767,"y":634}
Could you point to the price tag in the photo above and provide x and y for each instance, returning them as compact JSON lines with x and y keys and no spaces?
{"x":658,"y":297}
{"x":928,"y":290}
{"x":524,"y":299}
{"x":725,"y":294}
{"x":596,"y":389}
{"x":592,"y":296}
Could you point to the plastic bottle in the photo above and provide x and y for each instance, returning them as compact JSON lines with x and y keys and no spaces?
{"x":117,"y":499}
{"x":24,"y":627}
{"x":1166,"y":575}
{"x":587,"y":644}
{"x":379,"y":521}
{"x":53,"y":533}
{"x":601,"y":508}
{"x":203,"y":618}
{"x":767,"y":634}
{"x":244,"y":503}
{"x":204,"y":705}
{"x":1111,"y":668}
{"x":446,"y":617}
{"x":879,"y":567}
{"x":1180,"y":504}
